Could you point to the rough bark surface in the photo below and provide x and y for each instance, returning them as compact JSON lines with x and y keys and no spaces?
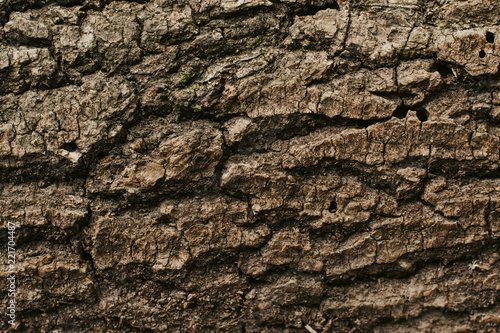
{"x":252,"y":165}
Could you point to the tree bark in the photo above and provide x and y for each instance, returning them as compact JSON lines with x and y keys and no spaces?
{"x":250,"y":166}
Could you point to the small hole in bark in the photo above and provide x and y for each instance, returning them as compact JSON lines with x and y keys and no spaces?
{"x":482,"y":54}
{"x":400,"y":112}
{"x":422,"y":115}
{"x":71,"y":147}
{"x":85,"y":255}
{"x":490,"y":37}
{"x":311,"y":10}
{"x":333,"y":207}
{"x":444,"y":70}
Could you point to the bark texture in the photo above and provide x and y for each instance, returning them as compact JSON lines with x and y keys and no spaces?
{"x":252,"y":165}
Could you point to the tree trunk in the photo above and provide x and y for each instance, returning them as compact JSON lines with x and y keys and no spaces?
{"x":250,"y":166}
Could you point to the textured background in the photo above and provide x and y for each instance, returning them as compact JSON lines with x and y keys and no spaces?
{"x":252,"y":165}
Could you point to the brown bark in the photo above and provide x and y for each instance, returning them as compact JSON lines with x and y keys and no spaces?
{"x":251,"y":166}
